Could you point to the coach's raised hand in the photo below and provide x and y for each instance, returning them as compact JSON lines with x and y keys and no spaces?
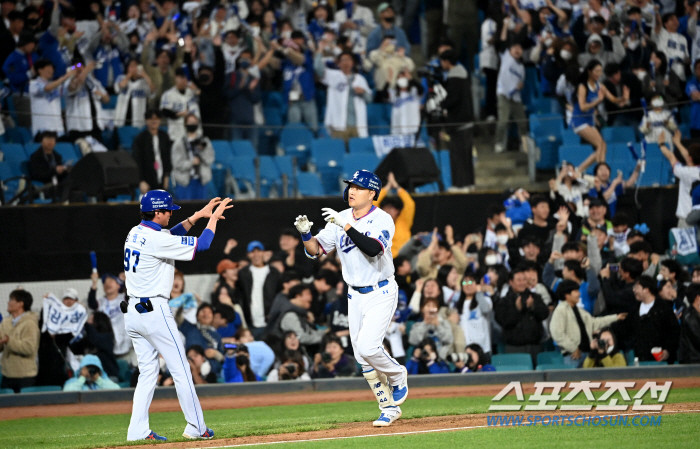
{"x":218,"y":214}
{"x":207,"y":210}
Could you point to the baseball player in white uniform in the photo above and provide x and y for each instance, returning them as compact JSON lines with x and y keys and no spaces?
{"x":362,"y":236}
{"x":150,"y":253}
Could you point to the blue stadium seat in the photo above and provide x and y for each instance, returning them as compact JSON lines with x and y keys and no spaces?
{"x":551,"y":366}
{"x":512,"y":359}
{"x":126,"y":136}
{"x":361,"y":145}
{"x":296,"y":141}
{"x":379,"y":129}
{"x":243,"y":148}
{"x":685,"y":130}
{"x":7,"y":391}
{"x":549,"y":153}
{"x":270,"y":175}
{"x":274,"y":99}
{"x":323,"y":133}
{"x":285,"y":165}
{"x":218,"y":174}
{"x":575,"y":154}
{"x":569,"y":137}
{"x":68,"y":151}
{"x":328,"y":156}
{"x":359,"y":161}
{"x":14,"y":153}
{"x":550,"y":357}
{"x":621,"y":134}
{"x":270,"y":133}
{"x":433,"y":187}
{"x":18,"y":134}
{"x":549,"y":126}
{"x":10,"y":187}
{"x":378,"y":113}
{"x":42,"y":389}
{"x":243,"y":169}
{"x":621,"y":151}
{"x":309,"y":184}
{"x":544,"y":105}
{"x":513,"y":368}
{"x":445,"y":168}
{"x":222,"y":151}
{"x":124,"y":370}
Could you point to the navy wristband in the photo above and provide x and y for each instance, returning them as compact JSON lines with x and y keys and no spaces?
{"x":307,"y":236}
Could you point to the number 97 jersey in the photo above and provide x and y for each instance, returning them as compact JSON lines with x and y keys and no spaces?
{"x":149,"y":260}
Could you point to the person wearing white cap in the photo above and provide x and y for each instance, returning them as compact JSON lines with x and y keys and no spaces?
{"x":258,"y":283}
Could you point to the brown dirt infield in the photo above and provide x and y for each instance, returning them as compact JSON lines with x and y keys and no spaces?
{"x":348,"y":429}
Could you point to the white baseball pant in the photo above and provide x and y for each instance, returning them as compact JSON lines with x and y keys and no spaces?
{"x":153,"y":333}
{"x":369,"y":317}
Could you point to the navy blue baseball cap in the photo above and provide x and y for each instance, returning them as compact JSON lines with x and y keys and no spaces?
{"x":365,"y":179}
{"x":155,"y":200}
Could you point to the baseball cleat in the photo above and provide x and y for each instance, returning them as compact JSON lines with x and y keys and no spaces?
{"x":154,"y":436}
{"x":400,"y":391}
{"x":208,"y":435}
{"x":388,"y":416}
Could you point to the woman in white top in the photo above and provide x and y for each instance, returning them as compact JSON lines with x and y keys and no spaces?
{"x":405,"y":104}
{"x":134,"y":89}
{"x":474,"y":308}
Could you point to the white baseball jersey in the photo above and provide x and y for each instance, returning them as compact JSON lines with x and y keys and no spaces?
{"x":78,"y":111}
{"x":46,"y":107}
{"x":136,"y":95}
{"x":176,"y":101}
{"x":359,"y":269}
{"x":405,"y":111}
{"x":149,"y":260}
{"x":110,"y":307}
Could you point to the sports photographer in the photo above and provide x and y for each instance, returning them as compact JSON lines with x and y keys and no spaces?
{"x":193,"y":156}
{"x":604,"y":351}
{"x":237,"y":364}
{"x":90,"y":377}
{"x":333,"y":362}
{"x":471,"y":360}
{"x":291,"y":368}
{"x":432,"y":327}
{"x":425,"y":359}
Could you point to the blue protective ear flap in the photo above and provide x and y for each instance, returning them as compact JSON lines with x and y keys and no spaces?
{"x":345,"y":194}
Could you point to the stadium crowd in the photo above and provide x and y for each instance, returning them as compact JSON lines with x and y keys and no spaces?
{"x":562,"y":273}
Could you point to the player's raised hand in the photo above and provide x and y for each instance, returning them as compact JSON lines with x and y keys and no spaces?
{"x":303,"y":224}
{"x":223,"y":205}
{"x":334,"y":217}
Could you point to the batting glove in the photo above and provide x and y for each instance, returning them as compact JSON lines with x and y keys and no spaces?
{"x":334,"y":217}
{"x":303,"y":225}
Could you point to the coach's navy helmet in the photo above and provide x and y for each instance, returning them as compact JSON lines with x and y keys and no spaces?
{"x":157,"y":200}
{"x":366,"y":179}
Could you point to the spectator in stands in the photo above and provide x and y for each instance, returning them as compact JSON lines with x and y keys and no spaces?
{"x":291,"y":343}
{"x":610,"y":190}
{"x":389,"y":63}
{"x":177,"y":103}
{"x":322,"y":289}
{"x":572,"y":186}
{"x":192,"y":158}
{"x":604,"y":355}
{"x":237,"y":365}
{"x":405,"y":100}
{"x":687,"y":174}
{"x":91,"y":376}
{"x":19,"y":342}
{"x":294,"y":316}
{"x":477,"y":361}
{"x":661,"y":80}
{"x":425,"y":359}
{"x":673,"y":44}
{"x":261,"y":355}
{"x":19,"y":66}
{"x":488,"y":57}
{"x":45,"y":94}
{"x":133,"y":89}
{"x":201,"y":369}
{"x":291,"y":368}
{"x":243,"y":92}
{"x":108,"y":47}
{"x":441,"y":252}
{"x":511,"y":80}
{"x":402,"y":209}
{"x":689,"y":345}
{"x":226,"y":321}
{"x":692,"y":90}
{"x":586,"y":278}
{"x":9,"y":37}
{"x":596,"y":218}
{"x":98,"y":338}
{"x":622,"y":85}
{"x":258,"y":284}
{"x":658,"y":120}
{"x":163,"y":73}
{"x":205,"y":335}
{"x":596,"y":51}
{"x":572,"y":327}
{"x":654,"y":324}
{"x":619,"y":297}
{"x":333,"y":362}
{"x":432,"y":326}
{"x":293,"y":254}
{"x":224,"y":291}
{"x":520,"y":313}
{"x":210,"y":80}
{"x":299,"y":88}
{"x":590,"y":92}
{"x":109,"y":305}
{"x":183,"y":304}
{"x":460,"y":111}
{"x":348,"y":95}
{"x":387,"y":27}
{"x":474,"y":308}
{"x":84,"y":98}
{"x":541,"y":225}
{"x":47,"y":166}
{"x":151,"y":151}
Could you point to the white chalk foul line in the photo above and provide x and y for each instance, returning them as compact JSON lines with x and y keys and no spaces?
{"x":415,"y":432}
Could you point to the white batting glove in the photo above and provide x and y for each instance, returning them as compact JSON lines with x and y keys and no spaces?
{"x":334,"y":217}
{"x":303,"y":224}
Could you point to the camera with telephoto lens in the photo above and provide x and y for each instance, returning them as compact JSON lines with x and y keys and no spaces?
{"x":291,"y":372}
{"x":242,"y":359}
{"x":602,"y":343}
{"x":92,"y":370}
{"x":433,"y":75}
{"x":424,"y":355}
{"x":326,"y":357}
{"x":457,"y":357}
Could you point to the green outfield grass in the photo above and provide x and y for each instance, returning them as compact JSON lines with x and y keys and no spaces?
{"x":110,"y":430}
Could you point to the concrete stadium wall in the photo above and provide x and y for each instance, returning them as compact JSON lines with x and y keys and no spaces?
{"x":436,"y":380}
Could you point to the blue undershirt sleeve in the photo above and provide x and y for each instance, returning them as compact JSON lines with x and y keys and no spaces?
{"x":205,"y":240}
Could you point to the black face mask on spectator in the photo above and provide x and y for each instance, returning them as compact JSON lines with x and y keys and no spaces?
{"x":391,"y":19}
{"x":191,"y":127}
{"x":205,"y":78}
